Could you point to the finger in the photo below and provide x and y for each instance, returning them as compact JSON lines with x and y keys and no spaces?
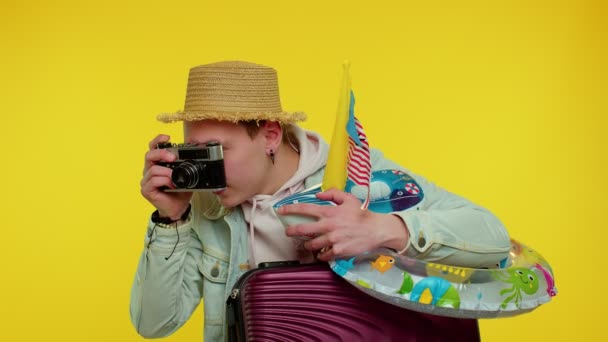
{"x":159,"y":139}
{"x":327,"y":254}
{"x":336,"y":250}
{"x":160,"y":155}
{"x":336,"y":196}
{"x":154,"y":183}
{"x":156,"y":170}
{"x":318,"y":243}
{"x":307,"y":209}
{"x":348,"y":247}
{"x":155,"y":156}
{"x":306,"y":229}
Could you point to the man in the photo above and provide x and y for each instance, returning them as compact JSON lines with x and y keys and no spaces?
{"x":199,"y":244}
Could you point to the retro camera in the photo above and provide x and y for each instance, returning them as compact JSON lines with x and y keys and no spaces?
{"x":197,"y":168}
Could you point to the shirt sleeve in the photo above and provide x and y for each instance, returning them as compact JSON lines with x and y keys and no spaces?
{"x":168,"y":285}
{"x":447,"y":228}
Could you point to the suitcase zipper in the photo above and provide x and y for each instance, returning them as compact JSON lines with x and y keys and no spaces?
{"x":234,"y":326}
{"x":234,"y":294}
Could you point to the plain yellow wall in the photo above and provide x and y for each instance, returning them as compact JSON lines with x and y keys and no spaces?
{"x":503,"y":102}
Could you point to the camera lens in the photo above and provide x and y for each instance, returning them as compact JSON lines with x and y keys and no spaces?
{"x":186,"y":175}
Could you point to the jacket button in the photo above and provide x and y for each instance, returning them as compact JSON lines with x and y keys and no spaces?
{"x":215,"y":271}
{"x":421,"y":241}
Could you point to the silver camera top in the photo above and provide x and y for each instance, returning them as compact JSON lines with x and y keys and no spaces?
{"x":210,"y":151}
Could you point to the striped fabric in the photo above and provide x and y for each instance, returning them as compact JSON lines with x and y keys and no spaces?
{"x":359,"y":166}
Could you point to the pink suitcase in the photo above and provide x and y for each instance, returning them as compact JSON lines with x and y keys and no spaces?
{"x":310,"y":303}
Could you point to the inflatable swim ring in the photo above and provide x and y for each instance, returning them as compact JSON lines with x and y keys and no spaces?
{"x":518,"y":285}
{"x":452,"y":291}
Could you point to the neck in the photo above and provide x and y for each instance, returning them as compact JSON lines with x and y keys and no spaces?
{"x":286,"y":164}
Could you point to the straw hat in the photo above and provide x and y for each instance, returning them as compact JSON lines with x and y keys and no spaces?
{"x":233,"y":91}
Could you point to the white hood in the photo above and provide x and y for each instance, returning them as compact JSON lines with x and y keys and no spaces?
{"x":267,"y":239}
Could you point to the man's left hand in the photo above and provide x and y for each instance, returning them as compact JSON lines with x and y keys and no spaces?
{"x":345,"y":229}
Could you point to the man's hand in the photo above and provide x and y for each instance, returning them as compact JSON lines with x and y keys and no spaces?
{"x":345,"y":229}
{"x":168,"y":204}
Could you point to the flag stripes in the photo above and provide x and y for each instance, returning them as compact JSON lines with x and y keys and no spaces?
{"x":359,"y":164}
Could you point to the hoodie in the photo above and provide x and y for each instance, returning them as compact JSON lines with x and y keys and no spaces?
{"x":267,"y":239}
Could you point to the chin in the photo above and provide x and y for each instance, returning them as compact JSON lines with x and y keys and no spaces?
{"x":228,"y":201}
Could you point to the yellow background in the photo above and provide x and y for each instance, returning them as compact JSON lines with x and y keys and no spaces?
{"x":503,"y":102}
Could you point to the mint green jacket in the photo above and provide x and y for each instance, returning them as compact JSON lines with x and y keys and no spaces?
{"x":210,"y":253}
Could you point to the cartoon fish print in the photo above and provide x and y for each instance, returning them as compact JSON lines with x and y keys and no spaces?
{"x":402,"y":199}
{"x":394,"y":191}
{"x":436,"y":291}
{"x":341,"y":267}
{"x":383,"y":263}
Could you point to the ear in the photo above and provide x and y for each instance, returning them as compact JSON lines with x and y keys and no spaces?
{"x":273,"y":133}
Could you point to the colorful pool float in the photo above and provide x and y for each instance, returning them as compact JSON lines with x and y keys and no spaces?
{"x":526,"y":283}
{"x":521,"y":283}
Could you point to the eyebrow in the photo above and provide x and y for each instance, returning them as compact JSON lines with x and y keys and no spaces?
{"x":190,"y":141}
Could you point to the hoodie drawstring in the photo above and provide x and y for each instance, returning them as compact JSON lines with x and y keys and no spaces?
{"x":251,"y":231}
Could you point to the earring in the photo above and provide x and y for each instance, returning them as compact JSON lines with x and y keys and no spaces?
{"x":272,"y":156}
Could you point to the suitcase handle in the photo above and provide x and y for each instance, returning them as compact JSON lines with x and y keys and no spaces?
{"x":268,"y":264}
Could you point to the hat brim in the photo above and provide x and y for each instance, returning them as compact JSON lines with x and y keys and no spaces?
{"x":284,"y":117}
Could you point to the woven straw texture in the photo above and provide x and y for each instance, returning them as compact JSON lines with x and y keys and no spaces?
{"x":233,"y":91}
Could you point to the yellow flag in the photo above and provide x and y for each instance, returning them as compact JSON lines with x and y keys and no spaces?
{"x":336,"y":169}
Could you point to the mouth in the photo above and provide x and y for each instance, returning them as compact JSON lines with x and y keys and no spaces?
{"x":219,"y":192}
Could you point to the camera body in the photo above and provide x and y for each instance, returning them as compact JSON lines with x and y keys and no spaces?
{"x":197,"y":167}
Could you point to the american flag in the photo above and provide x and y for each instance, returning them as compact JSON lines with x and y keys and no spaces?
{"x":359,"y":166}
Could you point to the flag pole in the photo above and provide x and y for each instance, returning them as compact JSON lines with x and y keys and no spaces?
{"x":336,"y":169}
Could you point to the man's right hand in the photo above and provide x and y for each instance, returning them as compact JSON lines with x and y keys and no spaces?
{"x":168,"y":204}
